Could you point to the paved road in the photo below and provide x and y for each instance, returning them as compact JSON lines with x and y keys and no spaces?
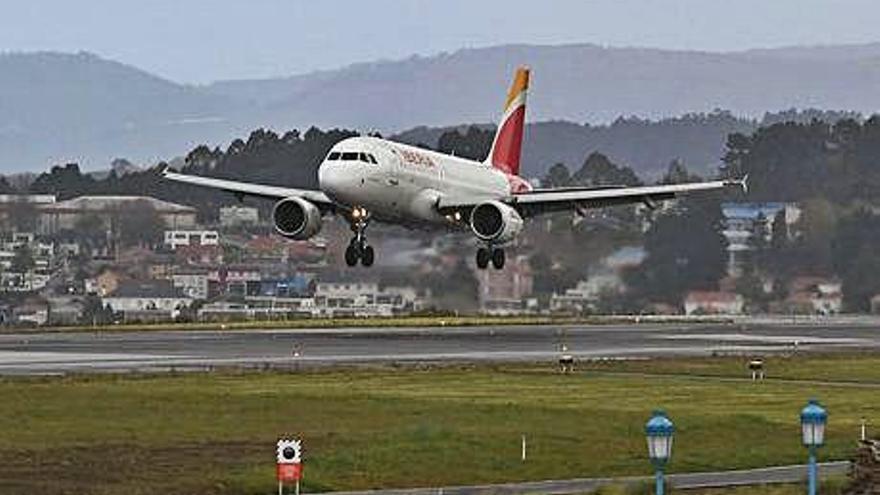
{"x":781,"y":474}
{"x":47,"y":353}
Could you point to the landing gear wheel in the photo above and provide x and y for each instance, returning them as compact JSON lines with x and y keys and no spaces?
{"x":482,"y":258}
{"x":367,"y":256}
{"x":351,"y":255}
{"x":358,"y":249}
{"x":498,"y":258}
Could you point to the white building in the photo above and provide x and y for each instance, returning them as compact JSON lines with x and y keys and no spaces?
{"x":152,"y":299}
{"x":236,"y":216}
{"x":740,"y":220}
{"x":346,"y":298}
{"x":180,"y":238}
{"x":713,"y":303}
{"x":192,"y":284}
{"x":585,"y":294}
{"x":64,"y":215}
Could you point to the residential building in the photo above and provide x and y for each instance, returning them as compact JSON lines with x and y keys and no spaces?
{"x":210,"y":255}
{"x":105,"y":282}
{"x":239,"y":280}
{"x":259,"y":308}
{"x":12,"y":204}
{"x":298,"y":285}
{"x":150,"y":300}
{"x":238,"y":216}
{"x":585,"y":295}
{"x":814,"y":295}
{"x":33,"y":311}
{"x":740,"y":222}
{"x":183,"y":238}
{"x":713,"y":303}
{"x":192,"y":283}
{"x":64,"y":215}
{"x":334,"y":297}
{"x":506,"y":289}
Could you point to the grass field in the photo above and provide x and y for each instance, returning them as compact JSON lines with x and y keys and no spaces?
{"x":379,"y":428}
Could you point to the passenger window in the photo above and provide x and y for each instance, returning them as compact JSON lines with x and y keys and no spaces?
{"x":350,"y":156}
{"x":333,"y":156}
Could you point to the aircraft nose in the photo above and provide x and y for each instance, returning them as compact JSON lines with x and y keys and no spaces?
{"x":333,"y":179}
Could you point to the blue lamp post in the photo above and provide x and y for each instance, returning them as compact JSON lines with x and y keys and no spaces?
{"x":659,"y":431}
{"x":813,"y":420}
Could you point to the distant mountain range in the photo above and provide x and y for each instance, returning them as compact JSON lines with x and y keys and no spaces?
{"x":57,"y":107}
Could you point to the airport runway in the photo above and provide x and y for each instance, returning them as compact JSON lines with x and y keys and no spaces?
{"x":51,"y":353}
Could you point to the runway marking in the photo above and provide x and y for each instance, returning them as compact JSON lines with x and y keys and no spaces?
{"x":18,"y":358}
{"x":778,"y":339}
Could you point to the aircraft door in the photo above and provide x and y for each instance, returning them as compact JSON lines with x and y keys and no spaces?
{"x":392,"y":179}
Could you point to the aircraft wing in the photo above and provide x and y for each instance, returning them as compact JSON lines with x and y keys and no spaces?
{"x":248,"y":188}
{"x":553,"y":200}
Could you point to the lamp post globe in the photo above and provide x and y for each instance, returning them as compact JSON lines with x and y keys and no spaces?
{"x":659,"y":431}
{"x":813,"y":420}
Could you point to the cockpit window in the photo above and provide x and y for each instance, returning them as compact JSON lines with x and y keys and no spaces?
{"x":372,"y":159}
{"x":333,"y":156}
{"x":364,"y":158}
{"x":350,"y":156}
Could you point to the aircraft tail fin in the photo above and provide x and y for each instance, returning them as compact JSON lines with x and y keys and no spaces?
{"x":507,"y":145}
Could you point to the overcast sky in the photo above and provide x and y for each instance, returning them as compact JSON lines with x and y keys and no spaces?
{"x":203,"y":40}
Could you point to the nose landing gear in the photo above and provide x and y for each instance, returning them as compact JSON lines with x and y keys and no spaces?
{"x":358,"y":249}
{"x":493,"y":254}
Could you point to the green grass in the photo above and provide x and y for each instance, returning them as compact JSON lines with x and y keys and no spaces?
{"x":850,"y":367}
{"x":379,"y":428}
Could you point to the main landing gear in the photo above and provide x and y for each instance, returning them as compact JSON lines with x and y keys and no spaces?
{"x":358,"y":249}
{"x":493,"y":254}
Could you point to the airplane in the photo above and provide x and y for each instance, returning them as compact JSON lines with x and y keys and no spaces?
{"x":368,"y":178}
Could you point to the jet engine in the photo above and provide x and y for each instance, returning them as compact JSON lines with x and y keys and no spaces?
{"x":296,"y":218}
{"x":495,"y":222}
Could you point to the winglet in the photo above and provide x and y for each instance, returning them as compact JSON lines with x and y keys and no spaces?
{"x":742,"y":183}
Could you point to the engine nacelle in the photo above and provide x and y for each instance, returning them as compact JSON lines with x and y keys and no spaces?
{"x":495,"y":222}
{"x":296,"y":218}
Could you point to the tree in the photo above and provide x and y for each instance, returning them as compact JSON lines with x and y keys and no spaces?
{"x":758,"y":244}
{"x":779,"y":235}
{"x":23,"y":260}
{"x":817,"y":226}
{"x":677,"y":173}
{"x":90,"y":231}
{"x":686,"y":251}
{"x":94,"y":313}
{"x":557,"y":176}
{"x":23,"y":215}
{"x":5,"y":186}
{"x":137,"y":223}
{"x":473,"y":145}
{"x":456,"y":289}
{"x":856,"y":258}
{"x":598,"y":170}
{"x":65,"y":182}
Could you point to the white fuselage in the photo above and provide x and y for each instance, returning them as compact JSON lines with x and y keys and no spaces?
{"x":406,"y":183}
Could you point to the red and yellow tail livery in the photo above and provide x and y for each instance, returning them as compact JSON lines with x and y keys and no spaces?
{"x":507,"y":146}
